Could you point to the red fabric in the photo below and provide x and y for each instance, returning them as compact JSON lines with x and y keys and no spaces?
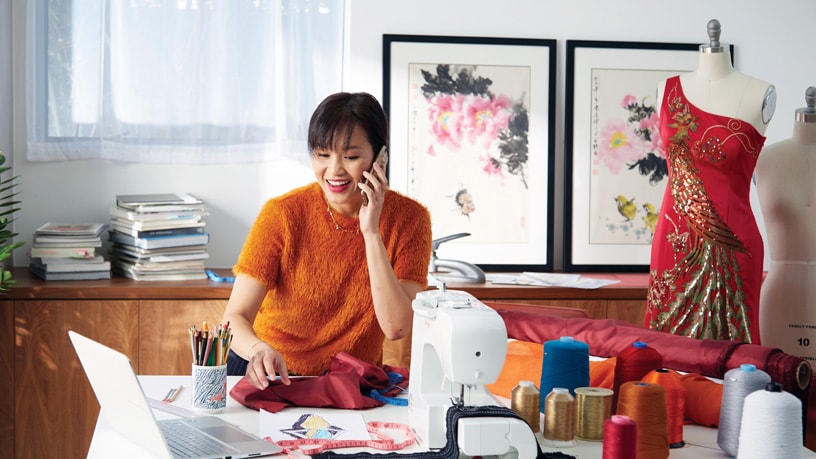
{"x":707,"y":251}
{"x":345,"y":384}
{"x":712,"y":358}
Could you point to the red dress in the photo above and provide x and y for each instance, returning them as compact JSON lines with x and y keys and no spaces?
{"x":707,"y":252}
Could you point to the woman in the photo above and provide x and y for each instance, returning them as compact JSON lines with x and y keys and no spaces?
{"x":320,"y":272}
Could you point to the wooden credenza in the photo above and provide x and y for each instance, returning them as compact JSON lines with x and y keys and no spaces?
{"x":48,"y":408}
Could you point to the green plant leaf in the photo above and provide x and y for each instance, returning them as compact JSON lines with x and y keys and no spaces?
{"x":8,"y":205}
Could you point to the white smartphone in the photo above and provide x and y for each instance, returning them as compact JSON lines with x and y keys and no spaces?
{"x":382,"y":160}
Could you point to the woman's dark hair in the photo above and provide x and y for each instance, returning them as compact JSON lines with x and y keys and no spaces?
{"x":334,"y":120}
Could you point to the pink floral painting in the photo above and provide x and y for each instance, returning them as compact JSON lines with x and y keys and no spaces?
{"x":468,"y":148}
{"x":629,"y":167}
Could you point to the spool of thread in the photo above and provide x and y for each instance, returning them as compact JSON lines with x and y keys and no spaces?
{"x":737,"y":384}
{"x":619,"y":438}
{"x":565,"y":365}
{"x":593,"y":406}
{"x":645,"y":403}
{"x":675,"y":402}
{"x":632,"y":364}
{"x":524,"y":400}
{"x":559,"y":418}
{"x":771,"y":425}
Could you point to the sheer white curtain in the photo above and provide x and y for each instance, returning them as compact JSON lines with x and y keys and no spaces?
{"x":178,"y":81}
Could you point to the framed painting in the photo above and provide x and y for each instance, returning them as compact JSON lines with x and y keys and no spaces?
{"x":615,"y":168}
{"x":472,"y":123}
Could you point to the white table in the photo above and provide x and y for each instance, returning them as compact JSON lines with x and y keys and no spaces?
{"x":701,"y":442}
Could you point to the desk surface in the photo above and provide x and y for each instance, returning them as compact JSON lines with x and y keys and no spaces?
{"x":701,"y":442}
{"x":630,"y":286}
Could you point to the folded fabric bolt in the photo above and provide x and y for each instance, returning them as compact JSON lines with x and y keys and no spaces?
{"x":706,"y":357}
{"x":523,"y":362}
{"x":703,"y":396}
{"x":346,"y":384}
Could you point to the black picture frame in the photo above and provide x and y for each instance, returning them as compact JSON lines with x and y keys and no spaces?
{"x":514,"y":231}
{"x":597,"y":71}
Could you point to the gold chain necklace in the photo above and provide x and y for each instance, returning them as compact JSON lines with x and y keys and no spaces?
{"x":337,"y":225}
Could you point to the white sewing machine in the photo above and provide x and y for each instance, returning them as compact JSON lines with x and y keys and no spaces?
{"x":459,"y":345}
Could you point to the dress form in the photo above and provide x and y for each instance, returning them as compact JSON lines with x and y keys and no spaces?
{"x":716,"y":87}
{"x":707,"y":250}
{"x":786,"y":186}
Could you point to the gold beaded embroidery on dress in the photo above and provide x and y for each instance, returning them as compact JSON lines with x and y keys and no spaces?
{"x":697,"y":284}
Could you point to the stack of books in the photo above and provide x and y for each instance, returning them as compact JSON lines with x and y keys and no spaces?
{"x":159,"y":237}
{"x":69,"y":252}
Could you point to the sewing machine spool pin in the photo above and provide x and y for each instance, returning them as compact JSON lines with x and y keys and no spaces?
{"x":453,"y":270}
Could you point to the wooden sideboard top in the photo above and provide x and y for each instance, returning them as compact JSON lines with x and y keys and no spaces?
{"x":28,"y":286}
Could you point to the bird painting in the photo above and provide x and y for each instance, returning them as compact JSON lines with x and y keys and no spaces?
{"x":650,"y":219}
{"x":626,"y":207}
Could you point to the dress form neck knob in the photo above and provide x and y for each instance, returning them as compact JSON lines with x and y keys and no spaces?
{"x":808,"y":113}
{"x":714,"y":30}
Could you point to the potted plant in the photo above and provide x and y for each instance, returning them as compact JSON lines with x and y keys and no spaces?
{"x":8,"y":205}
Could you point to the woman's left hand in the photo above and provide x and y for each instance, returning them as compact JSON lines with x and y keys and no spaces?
{"x":374,"y":188}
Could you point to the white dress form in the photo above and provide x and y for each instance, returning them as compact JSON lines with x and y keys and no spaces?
{"x":717,"y":88}
{"x":786,"y":186}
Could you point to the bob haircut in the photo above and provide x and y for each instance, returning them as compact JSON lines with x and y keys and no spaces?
{"x":334,"y":120}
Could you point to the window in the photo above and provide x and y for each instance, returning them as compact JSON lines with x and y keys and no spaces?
{"x":182,"y":81}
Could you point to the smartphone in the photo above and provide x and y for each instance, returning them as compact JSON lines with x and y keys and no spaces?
{"x":382,"y":160}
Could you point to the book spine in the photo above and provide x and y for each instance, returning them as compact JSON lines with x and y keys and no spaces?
{"x":156,"y":242}
{"x":62,"y":252}
{"x":169,"y":232}
{"x":69,"y":268}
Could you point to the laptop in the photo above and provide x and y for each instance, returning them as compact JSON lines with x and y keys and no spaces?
{"x":128,"y":411}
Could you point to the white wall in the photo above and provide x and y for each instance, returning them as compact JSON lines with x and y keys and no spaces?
{"x":774,"y":42}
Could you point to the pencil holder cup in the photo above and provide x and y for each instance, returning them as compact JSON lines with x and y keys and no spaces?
{"x":209,"y":388}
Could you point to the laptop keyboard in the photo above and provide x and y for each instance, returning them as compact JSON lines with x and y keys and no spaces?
{"x":185,"y":441}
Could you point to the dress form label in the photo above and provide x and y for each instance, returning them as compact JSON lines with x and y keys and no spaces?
{"x":793,"y":330}
{"x":803,"y":337}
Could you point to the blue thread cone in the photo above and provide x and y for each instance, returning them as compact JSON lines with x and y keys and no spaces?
{"x":565,"y":364}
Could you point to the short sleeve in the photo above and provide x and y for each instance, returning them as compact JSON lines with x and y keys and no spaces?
{"x":412,"y":242}
{"x":263,"y":248}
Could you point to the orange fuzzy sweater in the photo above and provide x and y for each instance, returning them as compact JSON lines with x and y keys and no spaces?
{"x":319,"y":301}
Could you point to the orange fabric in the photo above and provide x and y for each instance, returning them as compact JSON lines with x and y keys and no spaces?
{"x":703,"y":397}
{"x":602,"y":373}
{"x":523,"y":363}
{"x":703,"y":400}
{"x":524,"y":360}
{"x":319,"y":300}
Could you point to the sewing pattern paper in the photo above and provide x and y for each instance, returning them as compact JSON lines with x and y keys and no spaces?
{"x":319,"y":424}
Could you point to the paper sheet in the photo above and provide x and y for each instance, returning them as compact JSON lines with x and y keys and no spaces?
{"x":296,"y":424}
{"x":550,"y":280}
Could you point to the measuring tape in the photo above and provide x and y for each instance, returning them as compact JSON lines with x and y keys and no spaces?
{"x":295,"y":448}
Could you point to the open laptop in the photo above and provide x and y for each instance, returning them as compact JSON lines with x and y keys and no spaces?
{"x":127,"y":410}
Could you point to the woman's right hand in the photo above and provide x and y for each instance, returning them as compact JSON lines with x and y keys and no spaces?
{"x":266,"y":362}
